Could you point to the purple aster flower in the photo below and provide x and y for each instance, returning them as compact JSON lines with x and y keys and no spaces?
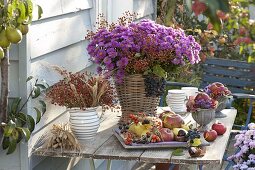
{"x":107,"y":60}
{"x":122,"y":62}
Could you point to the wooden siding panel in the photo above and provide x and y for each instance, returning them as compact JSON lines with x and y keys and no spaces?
{"x":14,"y":52}
{"x":14,"y":79}
{"x":73,"y":58}
{"x":60,"y":7}
{"x":143,"y":7}
{"x":58,"y":32}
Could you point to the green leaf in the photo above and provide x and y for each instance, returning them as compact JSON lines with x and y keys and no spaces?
{"x":5,"y":143}
{"x":15,"y":105}
{"x":159,"y":71}
{"x":22,"y":12}
{"x":43,"y":106}
{"x":30,"y":123}
{"x":25,"y":132}
{"x":37,"y":92}
{"x":29,"y":78}
{"x":8,"y":129}
{"x":41,"y":86}
{"x":40,"y":11}
{"x":15,"y":134}
{"x":38,"y":115}
{"x":12,"y":146}
{"x":22,"y":118}
{"x":178,"y":152}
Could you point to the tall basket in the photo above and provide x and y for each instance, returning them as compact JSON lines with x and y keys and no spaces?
{"x":132,"y":97}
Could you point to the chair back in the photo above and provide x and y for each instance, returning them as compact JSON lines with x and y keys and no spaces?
{"x":238,"y":76}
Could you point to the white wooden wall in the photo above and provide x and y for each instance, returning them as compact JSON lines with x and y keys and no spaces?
{"x":58,"y":39}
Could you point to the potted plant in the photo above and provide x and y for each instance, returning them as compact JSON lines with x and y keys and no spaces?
{"x":139,"y":55}
{"x":81,"y":93}
{"x":202,"y":108}
{"x":244,"y":157}
{"x":222,"y":94}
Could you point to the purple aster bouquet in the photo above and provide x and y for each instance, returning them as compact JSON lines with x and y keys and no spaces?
{"x":245,"y":142}
{"x":141,"y":47}
{"x":201,"y":101}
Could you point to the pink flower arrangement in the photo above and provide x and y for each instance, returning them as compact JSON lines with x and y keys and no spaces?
{"x":201,"y":101}
{"x":217,"y":90}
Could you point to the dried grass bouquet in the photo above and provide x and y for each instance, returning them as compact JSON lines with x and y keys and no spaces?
{"x":80,"y":90}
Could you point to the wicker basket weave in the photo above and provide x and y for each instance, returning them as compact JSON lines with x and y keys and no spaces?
{"x":132,"y":97}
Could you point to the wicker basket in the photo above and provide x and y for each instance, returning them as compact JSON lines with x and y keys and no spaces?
{"x":132,"y":97}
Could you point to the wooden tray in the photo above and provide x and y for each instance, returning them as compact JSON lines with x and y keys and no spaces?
{"x":172,"y":144}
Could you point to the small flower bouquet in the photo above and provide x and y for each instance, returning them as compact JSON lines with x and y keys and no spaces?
{"x":245,"y":142}
{"x":200,"y":101}
{"x":217,"y":90}
{"x":202,"y":108}
{"x":80,"y":90}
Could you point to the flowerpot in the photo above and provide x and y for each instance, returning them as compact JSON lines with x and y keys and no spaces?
{"x":132,"y":96}
{"x":84,"y":123}
{"x":203,"y":117}
{"x":222,"y":103}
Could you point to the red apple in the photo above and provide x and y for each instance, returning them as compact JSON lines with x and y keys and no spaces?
{"x":210,"y":135}
{"x":166,"y":134}
{"x":219,"y":128}
{"x":173,"y":121}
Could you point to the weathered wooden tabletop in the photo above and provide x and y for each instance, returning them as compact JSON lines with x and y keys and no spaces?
{"x":106,"y":146}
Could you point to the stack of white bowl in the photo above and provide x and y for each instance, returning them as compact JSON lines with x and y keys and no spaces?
{"x":175,"y":99}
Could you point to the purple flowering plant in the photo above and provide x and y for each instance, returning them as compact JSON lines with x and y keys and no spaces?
{"x":143,"y":47}
{"x":244,"y":158}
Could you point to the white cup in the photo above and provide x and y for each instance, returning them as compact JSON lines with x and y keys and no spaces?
{"x":190,"y":91}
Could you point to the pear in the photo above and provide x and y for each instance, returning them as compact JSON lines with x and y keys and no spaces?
{"x":13,"y":35}
{"x":1,"y":53}
{"x":186,"y":127}
{"x":4,"y":42}
{"x":23,"y":28}
{"x":138,"y":129}
{"x":176,"y":131}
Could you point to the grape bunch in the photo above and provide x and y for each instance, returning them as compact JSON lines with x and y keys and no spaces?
{"x":123,"y":127}
{"x":192,"y":134}
{"x":154,"y":86}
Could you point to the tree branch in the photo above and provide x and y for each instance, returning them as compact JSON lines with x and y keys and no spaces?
{"x":4,"y":88}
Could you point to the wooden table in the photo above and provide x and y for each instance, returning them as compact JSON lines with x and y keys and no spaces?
{"x":106,"y":146}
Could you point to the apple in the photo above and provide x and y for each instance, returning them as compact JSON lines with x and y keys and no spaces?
{"x":165,"y":113}
{"x":219,"y":128}
{"x":210,"y":135}
{"x":166,"y":134}
{"x":173,"y":121}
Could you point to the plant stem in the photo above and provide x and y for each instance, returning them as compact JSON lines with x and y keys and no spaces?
{"x":29,"y":96}
{"x":171,"y":5}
